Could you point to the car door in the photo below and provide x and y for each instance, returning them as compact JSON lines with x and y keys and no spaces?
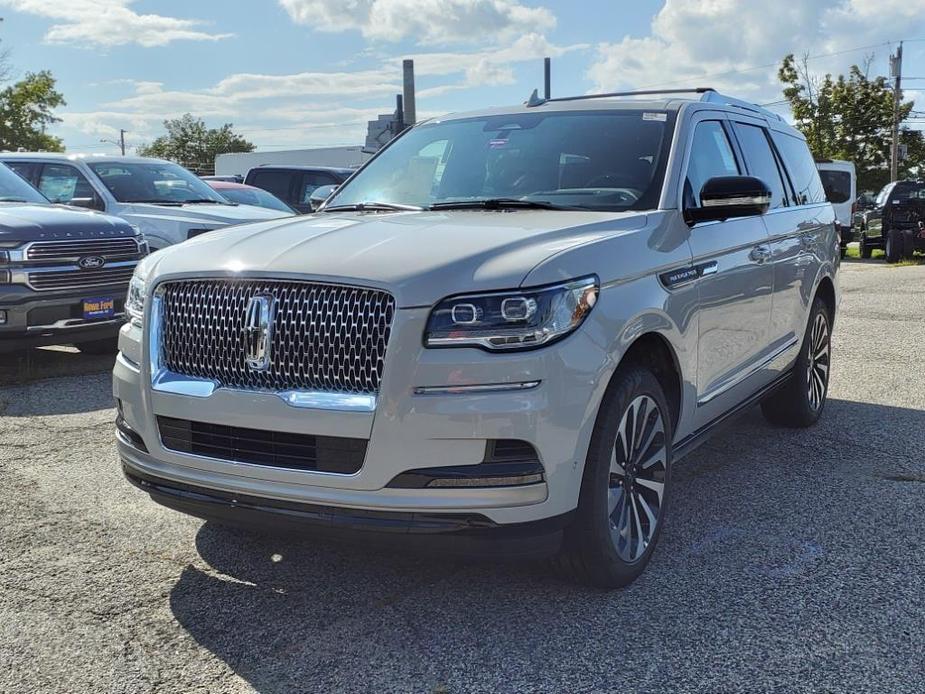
{"x":65,"y":184}
{"x":736,"y":280}
{"x":791,"y":237}
{"x":803,"y":237}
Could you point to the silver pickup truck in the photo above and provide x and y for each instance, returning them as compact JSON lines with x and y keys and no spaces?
{"x":498,"y":336}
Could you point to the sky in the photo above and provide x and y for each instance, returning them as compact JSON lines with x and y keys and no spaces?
{"x":303,"y":73}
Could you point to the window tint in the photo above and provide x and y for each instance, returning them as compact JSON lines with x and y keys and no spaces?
{"x":837,"y":185}
{"x":310,"y":181}
{"x":277,"y":182}
{"x":26,"y":169}
{"x":801,"y":167}
{"x":760,"y":160}
{"x":62,"y":183}
{"x":711,"y":155}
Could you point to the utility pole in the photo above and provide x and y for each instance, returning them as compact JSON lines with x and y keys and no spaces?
{"x":896,"y":72}
{"x":120,"y":143}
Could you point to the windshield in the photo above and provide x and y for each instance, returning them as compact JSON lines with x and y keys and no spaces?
{"x":597,"y":160}
{"x":256,"y":197}
{"x":837,"y":185}
{"x":161,"y":182}
{"x":908,"y":191}
{"x":13,"y":188}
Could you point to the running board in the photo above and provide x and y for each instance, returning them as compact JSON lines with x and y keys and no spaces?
{"x":692,"y":441}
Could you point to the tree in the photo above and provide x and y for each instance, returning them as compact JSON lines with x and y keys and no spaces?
{"x":190,"y":143}
{"x":26,"y":111}
{"x":851,"y":118}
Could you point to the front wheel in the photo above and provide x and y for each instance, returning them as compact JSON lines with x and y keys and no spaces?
{"x":800,"y":402}
{"x":625,"y":484}
{"x":895,"y":246}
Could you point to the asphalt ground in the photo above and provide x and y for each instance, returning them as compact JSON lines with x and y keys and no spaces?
{"x":790,"y":562}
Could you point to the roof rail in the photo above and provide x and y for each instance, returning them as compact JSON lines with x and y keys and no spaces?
{"x":714,"y":97}
{"x":535,"y":99}
{"x":708,"y":95}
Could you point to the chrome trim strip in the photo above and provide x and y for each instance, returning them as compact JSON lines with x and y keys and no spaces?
{"x":20,"y":275}
{"x":477,"y":388}
{"x":742,"y":376}
{"x":73,"y":323}
{"x":738,"y":200}
{"x":320,"y":400}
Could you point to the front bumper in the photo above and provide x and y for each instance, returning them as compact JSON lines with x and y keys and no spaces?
{"x":447,"y":533}
{"x":416,"y":423}
{"x":36,"y":319}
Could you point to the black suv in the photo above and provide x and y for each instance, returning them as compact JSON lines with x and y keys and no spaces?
{"x":896,"y":222}
{"x":64,"y":272}
{"x":294,"y":185}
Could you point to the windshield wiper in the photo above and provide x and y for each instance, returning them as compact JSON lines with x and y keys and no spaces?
{"x":204,"y":201}
{"x":497,"y":204}
{"x":154,"y":201}
{"x":12,"y":199}
{"x":372,"y":207}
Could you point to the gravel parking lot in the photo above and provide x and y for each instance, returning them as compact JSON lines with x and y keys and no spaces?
{"x":791,"y":561}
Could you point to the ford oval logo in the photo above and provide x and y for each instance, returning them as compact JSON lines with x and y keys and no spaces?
{"x":91,"y":262}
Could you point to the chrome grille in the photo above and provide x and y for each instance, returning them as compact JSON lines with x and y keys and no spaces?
{"x":326,"y":337}
{"x":70,"y":250}
{"x":79,"y":279}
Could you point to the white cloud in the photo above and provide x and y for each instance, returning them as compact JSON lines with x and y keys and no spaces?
{"x":110,"y":23}
{"x":709,"y":42}
{"x":426,"y":21}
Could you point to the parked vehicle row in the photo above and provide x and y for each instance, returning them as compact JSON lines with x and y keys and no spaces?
{"x":499,"y":335}
{"x":895,"y":222}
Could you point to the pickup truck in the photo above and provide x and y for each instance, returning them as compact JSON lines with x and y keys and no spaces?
{"x":64,"y":272}
{"x":896,"y":222}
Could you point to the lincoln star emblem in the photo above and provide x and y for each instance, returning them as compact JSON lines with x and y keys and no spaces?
{"x":91,"y":262}
{"x":258,"y":332}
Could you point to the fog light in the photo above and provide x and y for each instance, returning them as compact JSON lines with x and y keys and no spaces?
{"x":2,"y":317}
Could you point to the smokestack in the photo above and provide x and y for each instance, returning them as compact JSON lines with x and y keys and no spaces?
{"x":408,"y":73}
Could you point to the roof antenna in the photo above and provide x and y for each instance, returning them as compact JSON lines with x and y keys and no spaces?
{"x":534,"y":100}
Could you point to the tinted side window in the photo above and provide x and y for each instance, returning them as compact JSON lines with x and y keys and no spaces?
{"x":760,"y":160}
{"x":711,"y":155}
{"x":277,"y":182}
{"x":310,"y":181}
{"x":25,"y":169}
{"x":63,"y":183}
{"x":801,"y":167}
{"x":837,"y":185}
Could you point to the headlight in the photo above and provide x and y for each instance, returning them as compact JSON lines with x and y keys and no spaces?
{"x":518,"y":319}
{"x":135,"y":301}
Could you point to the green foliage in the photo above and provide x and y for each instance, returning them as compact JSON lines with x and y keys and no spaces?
{"x":26,"y":111}
{"x":190,"y":143}
{"x":851,"y":118}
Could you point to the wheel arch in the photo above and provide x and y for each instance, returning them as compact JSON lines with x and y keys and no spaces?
{"x":655,"y":352}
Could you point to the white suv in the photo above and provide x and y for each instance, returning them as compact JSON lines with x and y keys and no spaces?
{"x":168,"y":203}
{"x":502,"y":332}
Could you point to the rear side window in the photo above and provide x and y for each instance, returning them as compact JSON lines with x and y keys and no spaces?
{"x":837,"y":185}
{"x":760,"y":160}
{"x":63,"y":183}
{"x":277,"y":182}
{"x":711,"y":156}
{"x":25,"y":169}
{"x":802,"y":169}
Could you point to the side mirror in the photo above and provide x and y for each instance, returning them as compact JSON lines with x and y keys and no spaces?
{"x":726,"y":197}
{"x":88,"y":203}
{"x":320,"y":194}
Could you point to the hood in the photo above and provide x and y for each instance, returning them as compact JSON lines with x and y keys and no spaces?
{"x":420,"y":257}
{"x":34,"y":222}
{"x":216,"y":215}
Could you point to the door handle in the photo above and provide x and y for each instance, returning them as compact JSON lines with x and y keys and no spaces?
{"x":760,"y":254}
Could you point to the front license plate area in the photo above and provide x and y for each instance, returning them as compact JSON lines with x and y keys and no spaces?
{"x":99,"y":308}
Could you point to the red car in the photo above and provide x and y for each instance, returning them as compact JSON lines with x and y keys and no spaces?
{"x":249,"y":195}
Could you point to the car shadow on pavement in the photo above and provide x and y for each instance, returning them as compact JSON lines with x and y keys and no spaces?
{"x":759,"y":553}
{"x":50,"y":362}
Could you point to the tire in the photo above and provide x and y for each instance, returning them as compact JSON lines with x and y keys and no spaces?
{"x":623,"y":501}
{"x":863,"y":249}
{"x":110,"y":345}
{"x":800,"y":403}
{"x":908,"y":244}
{"x":894,"y":246}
